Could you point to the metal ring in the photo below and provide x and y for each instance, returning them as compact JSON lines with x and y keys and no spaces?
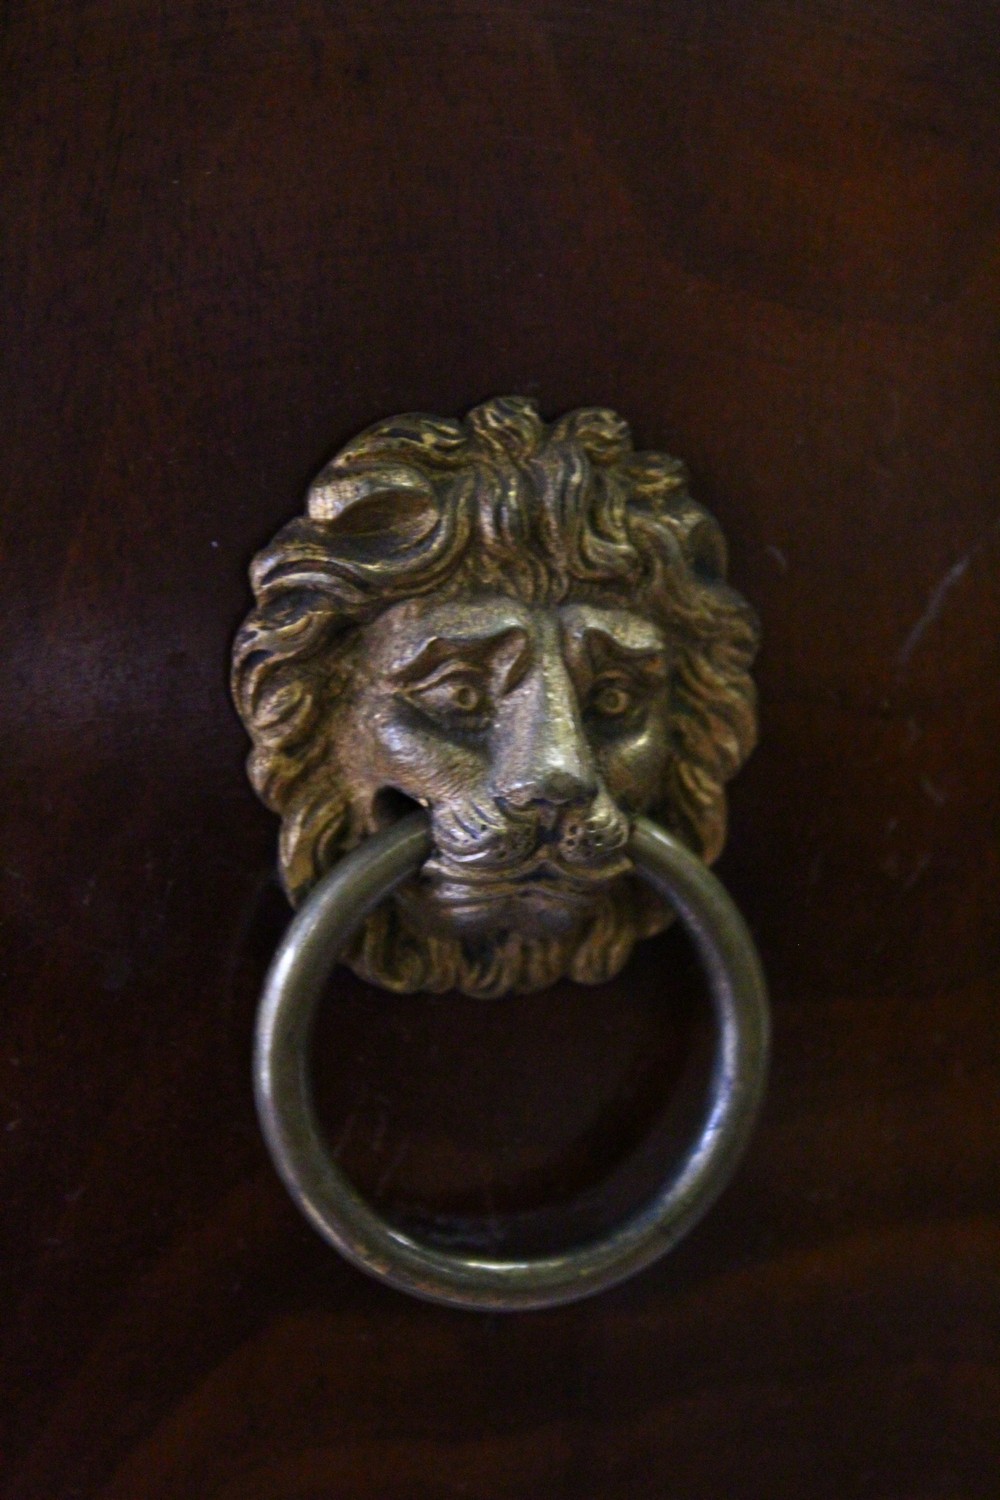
{"x":294,"y":984}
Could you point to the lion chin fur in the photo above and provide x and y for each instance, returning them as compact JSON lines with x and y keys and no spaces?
{"x":388,"y":951}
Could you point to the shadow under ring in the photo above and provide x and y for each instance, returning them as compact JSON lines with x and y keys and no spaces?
{"x":314,"y":941}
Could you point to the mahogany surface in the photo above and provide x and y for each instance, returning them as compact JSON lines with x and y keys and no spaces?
{"x":233,"y":235}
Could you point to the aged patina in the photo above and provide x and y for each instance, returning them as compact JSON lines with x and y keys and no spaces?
{"x":525,"y":629}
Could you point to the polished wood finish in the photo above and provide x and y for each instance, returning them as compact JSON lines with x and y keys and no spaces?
{"x":233,"y":235}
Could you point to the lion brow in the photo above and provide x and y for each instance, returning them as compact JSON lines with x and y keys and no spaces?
{"x":650,"y":655}
{"x":473,"y":644}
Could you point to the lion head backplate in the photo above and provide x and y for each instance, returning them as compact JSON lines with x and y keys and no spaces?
{"x":525,"y":629}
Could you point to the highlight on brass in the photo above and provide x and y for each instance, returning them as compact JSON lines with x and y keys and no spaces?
{"x":525,"y":629}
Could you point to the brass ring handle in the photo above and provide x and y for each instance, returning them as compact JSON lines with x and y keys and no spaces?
{"x":314,"y":941}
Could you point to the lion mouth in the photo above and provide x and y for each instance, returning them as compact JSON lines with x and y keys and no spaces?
{"x":537,"y":885}
{"x":530,"y":873}
{"x":544,"y":864}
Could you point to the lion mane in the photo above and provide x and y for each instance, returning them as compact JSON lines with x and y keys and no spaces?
{"x":500,"y":502}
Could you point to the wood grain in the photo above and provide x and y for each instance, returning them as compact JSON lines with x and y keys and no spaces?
{"x":234,"y":234}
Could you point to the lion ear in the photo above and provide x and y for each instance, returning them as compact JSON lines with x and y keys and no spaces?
{"x":393,"y":499}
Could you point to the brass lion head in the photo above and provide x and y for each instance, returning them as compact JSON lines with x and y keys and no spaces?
{"x":527,"y":630}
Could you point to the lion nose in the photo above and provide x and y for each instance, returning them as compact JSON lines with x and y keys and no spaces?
{"x":557,"y":771}
{"x":544,"y":757}
{"x":559,"y":788}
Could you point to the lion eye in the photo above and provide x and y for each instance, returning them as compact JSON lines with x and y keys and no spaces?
{"x":460,"y":698}
{"x":613,"y":699}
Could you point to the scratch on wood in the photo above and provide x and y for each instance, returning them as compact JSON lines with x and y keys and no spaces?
{"x":935,"y":604}
{"x":938,"y":596}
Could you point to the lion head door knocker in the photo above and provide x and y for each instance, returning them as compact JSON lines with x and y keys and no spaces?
{"x":496,"y":683}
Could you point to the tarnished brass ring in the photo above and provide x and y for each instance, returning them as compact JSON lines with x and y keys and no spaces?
{"x":294,"y":984}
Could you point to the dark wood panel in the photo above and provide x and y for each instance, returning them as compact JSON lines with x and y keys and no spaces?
{"x":234,"y":234}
